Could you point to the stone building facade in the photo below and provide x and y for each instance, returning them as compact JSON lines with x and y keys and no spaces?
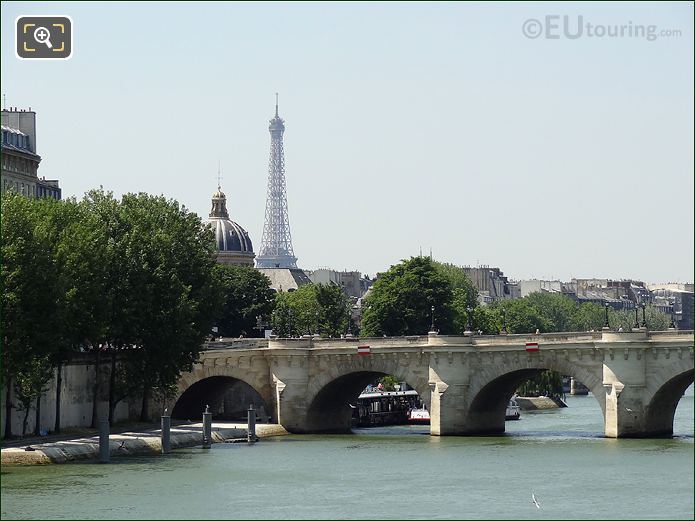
{"x":20,"y":162}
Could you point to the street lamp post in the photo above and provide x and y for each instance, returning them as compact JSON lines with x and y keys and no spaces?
{"x":259,"y":325}
{"x":504,"y":322}
{"x":606,"y":325}
{"x":432,"y":329}
{"x":636,"y":326}
{"x":644,"y":315}
{"x":468,"y":321}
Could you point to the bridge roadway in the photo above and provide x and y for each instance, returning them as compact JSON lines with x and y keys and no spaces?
{"x":307,"y":384}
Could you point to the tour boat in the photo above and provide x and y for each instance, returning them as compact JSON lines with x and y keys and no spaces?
{"x":419,"y":416}
{"x":513,"y":411}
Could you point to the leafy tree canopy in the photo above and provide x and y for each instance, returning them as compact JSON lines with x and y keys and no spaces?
{"x":311,"y":309}
{"x":401,"y":300}
{"x":247,"y":295}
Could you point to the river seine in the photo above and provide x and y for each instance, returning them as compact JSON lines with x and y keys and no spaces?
{"x":385,"y":473}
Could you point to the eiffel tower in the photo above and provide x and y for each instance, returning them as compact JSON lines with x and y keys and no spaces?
{"x":276,"y":245}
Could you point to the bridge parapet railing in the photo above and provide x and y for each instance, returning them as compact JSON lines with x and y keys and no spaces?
{"x":519,"y":339}
{"x":435,"y":340}
{"x":676,"y":333}
{"x":236,"y":343}
{"x":349,"y":342}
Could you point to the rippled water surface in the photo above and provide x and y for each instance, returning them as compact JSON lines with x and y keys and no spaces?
{"x":395,"y":472}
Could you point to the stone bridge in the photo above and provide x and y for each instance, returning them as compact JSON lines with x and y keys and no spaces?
{"x":307,"y":384}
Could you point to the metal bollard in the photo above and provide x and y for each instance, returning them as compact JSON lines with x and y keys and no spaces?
{"x":207,"y":428}
{"x":166,"y":432}
{"x":251,"y":427}
{"x":104,"y":441}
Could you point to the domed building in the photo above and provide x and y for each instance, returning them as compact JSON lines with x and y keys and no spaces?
{"x":233,"y":243}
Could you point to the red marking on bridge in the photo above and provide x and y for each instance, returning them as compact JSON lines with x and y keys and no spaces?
{"x":364,"y":350}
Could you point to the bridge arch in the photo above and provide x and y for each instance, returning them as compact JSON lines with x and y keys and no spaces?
{"x":334,"y":388}
{"x":492,"y":386}
{"x":662,"y":396}
{"x":228,"y":390}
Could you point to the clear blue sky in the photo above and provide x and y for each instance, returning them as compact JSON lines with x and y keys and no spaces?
{"x":408,"y":125}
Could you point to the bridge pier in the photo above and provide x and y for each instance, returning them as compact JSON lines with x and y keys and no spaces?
{"x":291,"y":407}
{"x":624,"y":381}
{"x":449,"y":400}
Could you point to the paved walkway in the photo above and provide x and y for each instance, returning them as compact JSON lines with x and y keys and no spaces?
{"x":59,"y":449}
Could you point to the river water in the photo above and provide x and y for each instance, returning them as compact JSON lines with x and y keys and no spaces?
{"x":385,"y":473}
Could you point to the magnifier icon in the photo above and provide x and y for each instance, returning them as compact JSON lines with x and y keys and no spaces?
{"x":43,"y":35}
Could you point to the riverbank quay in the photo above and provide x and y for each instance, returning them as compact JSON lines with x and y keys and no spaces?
{"x":535,"y":403}
{"x":130,"y":443}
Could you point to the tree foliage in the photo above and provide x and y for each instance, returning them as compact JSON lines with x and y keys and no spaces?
{"x":546,"y":383}
{"x":401,"y":300}
{"x":311,"y":309}
{"x":134,"y":276}
{"x":30,"y":315}
{"x":247,"y":295}
{"x":465,"y":296}
{"x":171,"y":290}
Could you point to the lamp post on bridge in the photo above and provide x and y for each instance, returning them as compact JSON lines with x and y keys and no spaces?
{"x":432,"y":329}
{"x":672,"y":325}
{"x":260,"y":325}
{"x":636,"y":326}
{"x":504,"y":322}
{"x":469,"y":312}
{"x":644,"y":315}
{"x":606,"y":325}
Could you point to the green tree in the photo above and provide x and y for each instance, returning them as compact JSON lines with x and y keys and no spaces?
{"x":389,"y":382}
{"x":30,"y":383}
{"x":465,"y":296}
{"x":30,"y":314}
{"x":333,"y":308}
{"x":282,"y":317}
{"x":521,"y":316}
{"x":112,"y":323}
{"x":311,"y":309}
{"x":546,"y":383}
{"x":401,"y":300}
{"x":555,"y":309}
{"x":487,"y":319}
{"x":625,"y":319}
{"x":247,"y":295}
{"x":172,"y":292}
{"x":587,"y":316}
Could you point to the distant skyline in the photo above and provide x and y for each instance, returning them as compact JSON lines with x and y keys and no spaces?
{"x":408,"y":126}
